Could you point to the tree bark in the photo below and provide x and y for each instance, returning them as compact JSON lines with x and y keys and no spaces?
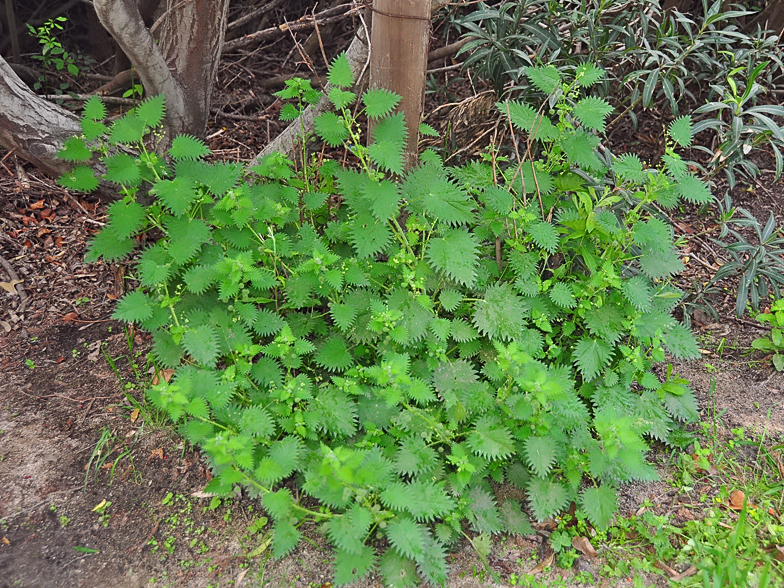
{"x":182,"y":65}
{"x":34,"y":128}
{"x":398,"y":60}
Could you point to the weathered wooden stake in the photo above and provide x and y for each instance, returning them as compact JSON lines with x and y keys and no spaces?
{"x":398,"y":59}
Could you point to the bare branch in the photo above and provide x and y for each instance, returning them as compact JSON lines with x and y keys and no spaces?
{"x":33,"y":127}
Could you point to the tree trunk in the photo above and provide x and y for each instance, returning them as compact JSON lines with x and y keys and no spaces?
{"x":32,"y":127}
{"x":770,"y":18}
{"x":398,"y":59}
{"x":182,"y":64}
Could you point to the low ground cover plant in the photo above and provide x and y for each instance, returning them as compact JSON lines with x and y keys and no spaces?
{"x":386,"y":344}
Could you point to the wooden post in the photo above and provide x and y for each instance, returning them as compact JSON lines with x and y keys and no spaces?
{"x":398,"y":59}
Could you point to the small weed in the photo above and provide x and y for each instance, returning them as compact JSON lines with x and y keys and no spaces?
{"x":83,"y":300}
{"x":30,"y":364}
{"x":103,"y":516}
{"x":64,"y":521}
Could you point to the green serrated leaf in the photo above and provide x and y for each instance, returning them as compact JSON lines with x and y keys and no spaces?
{"x":515,"y":521}
{"x":79,"y":178}
{"x":639,"y":293}
{"x":580,"y":147}
{"x":415,"y":457}
{"x":629,"y":167}
{"x":177,"y":194}
{"x":186,"y":236}
{"x":369,"y":236}
{"x":526,"y":118}
{"x":562,"y":295}
{"x":109,"y":245}
{"x":133,"y":307}
{"x":407,"y":537}
{"x":500,"y":315}
{"x":681,"y":131}
{"x":540,"y":454}
{"x":546,"y":78}
{"x":590,"y":356}
{"x":351,"y":567}
{"x":128,"y":130}
{"x":398,"y":571}
{"x":546,"y":497}
{"x":587,"y":74}
{"x":125,"y":218}
{"x":151,"y":111}
{"x":490,"y":439}
{"x":592,"y":112}
{"x":681,"y":342}
{"x":694,"y":190}
{"x":600,"y":505}
{"x":654,"y":233}
{"x":675,"y":165}
{"x":379,"y":102}
{"x":202,"y":344}
{"x":660,"y":264}
{"x":285,"y":537}
{"x":425,"y":501}
{"x":188,"y":147}
{"x":389,"y":139}
{"x":427,"y":131}
{"x":545,"y":236}
{"x":340,"y":73}
{"x":483,"y":512}
{"x":74,"y":149}
{"x":455,"y":254}
{"x":94,"y":109}
{"x":384,"y":199}
{"x":341,"y":98}
{"x":333,"y":355}
{"x":450,"y":299}
{"x":331,"y":128}
{"x":154,"y":266}
{"x":122,"y":169}
{"x":257,"y":422}
{"x":92,"y":129}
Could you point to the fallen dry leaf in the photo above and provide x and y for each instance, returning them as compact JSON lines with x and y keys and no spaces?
{"x":737,"y":497}
{"x":134,"y":415}
{"x":37,"y":205}
{"x":156,"y":453}
{"x":778,"y":553}
{"x":71,"y":316}
{"x":165,"y":374}
{"x":241,"y":577}
{"x":544,"y":564}
{"x":684,"y":574}
{"x":10,"y":287}
{"x":42,"y":231}
{"x":6,"y":326}
{"x":202,"y":494}
{"x":6,"y":541}
{"x":583,"y":545}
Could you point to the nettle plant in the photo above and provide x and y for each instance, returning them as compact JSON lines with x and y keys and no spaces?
{"x":372,"y":349}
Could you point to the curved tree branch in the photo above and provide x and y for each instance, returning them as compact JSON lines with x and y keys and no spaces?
{"x":124,"y":22}
{"x":34,"y":128}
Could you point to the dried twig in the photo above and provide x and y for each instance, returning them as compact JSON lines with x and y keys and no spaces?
{"x":306,"y":22}
{"x":19,"y":288}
